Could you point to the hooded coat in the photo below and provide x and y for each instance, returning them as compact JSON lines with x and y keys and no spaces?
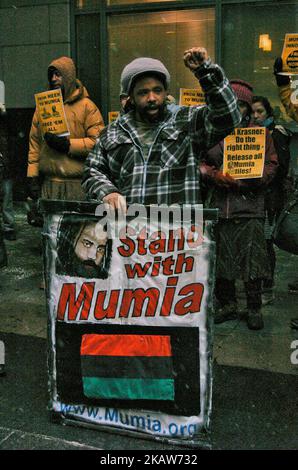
{"x":85,"y":124}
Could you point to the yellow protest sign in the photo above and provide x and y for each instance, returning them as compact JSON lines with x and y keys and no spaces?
{"x":290,"y":55}
{"x":191,"y":97}
{"x":244,"y":153}
{"x":50,"y":108}
{"x":113,"y":115}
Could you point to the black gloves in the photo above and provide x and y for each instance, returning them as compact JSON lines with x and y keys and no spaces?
{"x":280,"y":79}
{"x":33,"y":187}
{"x":61,"y":144}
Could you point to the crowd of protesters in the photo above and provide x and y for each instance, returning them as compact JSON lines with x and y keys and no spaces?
{"x":180,"y":149}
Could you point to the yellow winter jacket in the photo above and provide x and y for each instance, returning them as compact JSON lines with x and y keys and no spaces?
{"x":285,"y":92}
{"x":85,"y":124}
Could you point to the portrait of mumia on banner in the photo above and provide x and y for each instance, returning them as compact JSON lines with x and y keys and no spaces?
{"x":129,"y":328}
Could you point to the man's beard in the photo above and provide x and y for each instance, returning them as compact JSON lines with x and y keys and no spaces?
{"x":143,"y":112}
{"x":87,"y":269}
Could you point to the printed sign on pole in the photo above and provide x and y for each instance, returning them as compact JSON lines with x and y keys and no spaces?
{"x":290,"y":55}
{"x":191,"y":97}
{"x":51,"y":112}
{"x":2,"y":93}
{"x":130,"y":345}
{"x":244,"y":153}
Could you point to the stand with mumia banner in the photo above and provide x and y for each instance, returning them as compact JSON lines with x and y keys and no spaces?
{"x":129,"y":303}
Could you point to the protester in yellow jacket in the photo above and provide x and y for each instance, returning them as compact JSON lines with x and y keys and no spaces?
{"x":56,"y":163}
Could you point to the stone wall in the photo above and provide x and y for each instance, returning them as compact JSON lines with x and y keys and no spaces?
{"x":32,"y":33}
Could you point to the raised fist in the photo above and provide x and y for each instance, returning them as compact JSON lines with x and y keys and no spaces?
{"x":195,"y":57}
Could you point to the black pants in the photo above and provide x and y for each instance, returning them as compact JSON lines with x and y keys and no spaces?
{"x":225,"y":292}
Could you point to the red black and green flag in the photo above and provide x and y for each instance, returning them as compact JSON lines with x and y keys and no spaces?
{"x":135,"y":367}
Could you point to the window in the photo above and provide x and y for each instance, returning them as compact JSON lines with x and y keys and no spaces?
{"x":163,"y":36}
{"x":133,"y":2}
{"x":89,"y":55}
{"x":242,"y":58}
{"x":82,"y":4}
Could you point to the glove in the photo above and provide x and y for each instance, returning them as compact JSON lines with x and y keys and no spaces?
{"x":61,"y":144}
{"x":280,"y":79}
{"x":33,"y":188}
{"x":207,"y":170}
{"x":225,"y":181}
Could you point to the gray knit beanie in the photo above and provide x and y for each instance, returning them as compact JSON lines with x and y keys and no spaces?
{"x":141,"y":66}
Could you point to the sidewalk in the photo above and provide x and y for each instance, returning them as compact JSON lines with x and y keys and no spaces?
{"x":255,"y":383}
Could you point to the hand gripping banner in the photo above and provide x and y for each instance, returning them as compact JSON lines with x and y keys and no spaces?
{"x":129,"y":301}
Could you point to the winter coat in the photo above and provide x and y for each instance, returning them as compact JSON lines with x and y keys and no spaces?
{"x":170,"y":173}
{"x":276,"y":192}
{"x":247,"y":197}
{"x":85,"y":124}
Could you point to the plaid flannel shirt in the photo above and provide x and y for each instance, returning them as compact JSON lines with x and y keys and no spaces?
{"x":170,"y":174}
